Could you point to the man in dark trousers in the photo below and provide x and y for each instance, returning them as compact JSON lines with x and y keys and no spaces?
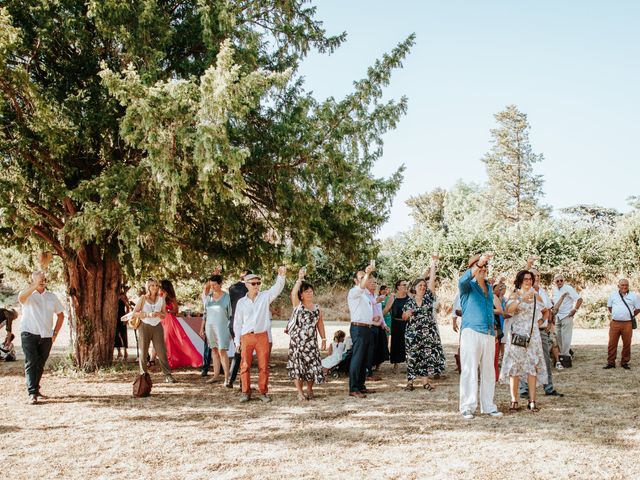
{"x":236,"y":292}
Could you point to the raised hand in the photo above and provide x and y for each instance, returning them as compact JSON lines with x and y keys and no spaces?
{"x":282,"y":270}
{"x":301,"y":273}
{"x":370,"y":269}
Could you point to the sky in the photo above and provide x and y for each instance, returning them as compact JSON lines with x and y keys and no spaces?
{"x":572,"y":66}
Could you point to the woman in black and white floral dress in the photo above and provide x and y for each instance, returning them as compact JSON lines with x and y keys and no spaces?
{"x":425,"y":355}
{"x":304,"y":364}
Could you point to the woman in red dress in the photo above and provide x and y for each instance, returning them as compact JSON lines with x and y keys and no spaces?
{"x":180,"y":349}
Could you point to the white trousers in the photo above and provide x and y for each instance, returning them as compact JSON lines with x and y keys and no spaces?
{"x":477,"y":350}
{"x":564,"y":333}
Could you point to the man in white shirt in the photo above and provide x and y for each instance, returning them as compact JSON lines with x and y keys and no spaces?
{"x":37,"y":331}
{"x":566,"y":303}
{"x":623,"y":306}
{"x":251,"y":327}
{"x":361,"y":312}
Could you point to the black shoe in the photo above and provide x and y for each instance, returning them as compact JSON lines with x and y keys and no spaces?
{"x":626,"y":366}
{"x":204,"y":373}
{"x":554,"y":393}
{"x":608,"y":366}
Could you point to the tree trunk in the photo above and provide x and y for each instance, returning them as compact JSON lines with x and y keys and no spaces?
{"x":94,"y":278}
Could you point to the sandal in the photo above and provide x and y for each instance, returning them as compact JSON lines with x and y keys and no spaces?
{"x":409,"y":387}
{"x":532,"y":406}
{"x":513,"y":407}
{"x":428,"y":387}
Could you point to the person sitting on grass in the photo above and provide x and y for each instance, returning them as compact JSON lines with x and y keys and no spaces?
{"x":7,"y":350}
{"x":335,"y":352}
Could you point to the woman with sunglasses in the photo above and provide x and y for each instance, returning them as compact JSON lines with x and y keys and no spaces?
{"x":525,"y":305}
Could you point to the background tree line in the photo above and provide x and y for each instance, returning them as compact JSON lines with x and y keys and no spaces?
{"x":588,"y":243}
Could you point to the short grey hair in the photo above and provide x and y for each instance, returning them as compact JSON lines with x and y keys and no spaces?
{"x":623,"y":280}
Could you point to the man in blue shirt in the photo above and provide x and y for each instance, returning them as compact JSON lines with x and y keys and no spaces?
{"x":477,"y":339}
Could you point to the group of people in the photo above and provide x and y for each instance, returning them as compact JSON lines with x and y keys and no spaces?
{"x":528,"y":329}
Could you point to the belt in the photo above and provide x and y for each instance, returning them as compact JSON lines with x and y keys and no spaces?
{"x":358,"y":324}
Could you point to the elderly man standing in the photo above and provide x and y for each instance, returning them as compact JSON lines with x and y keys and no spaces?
{"x":361,"y":312}
{"x":566,"y":303}
{"x":477,"y":339}
{"x":623,"y":306}
{"x":251,"y":326}
{"x":37,"y":331}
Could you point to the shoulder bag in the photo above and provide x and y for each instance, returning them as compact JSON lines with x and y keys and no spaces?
{"x":523,"y":340}
{"x":634,"y":322}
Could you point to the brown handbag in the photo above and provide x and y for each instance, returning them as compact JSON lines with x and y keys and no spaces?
{"x":142,"y":385}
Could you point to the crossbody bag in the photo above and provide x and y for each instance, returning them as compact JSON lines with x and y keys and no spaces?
{"x":634,"y":322}
{"x":524,"y":340}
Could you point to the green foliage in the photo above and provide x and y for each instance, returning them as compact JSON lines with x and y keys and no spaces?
{"x":515,"y":190}
{"x":178,"y":134}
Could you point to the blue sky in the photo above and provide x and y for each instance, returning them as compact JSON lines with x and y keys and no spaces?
{"x":572,"y":66}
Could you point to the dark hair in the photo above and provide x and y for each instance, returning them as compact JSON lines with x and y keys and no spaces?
{"x":167,"y":286}
{"x":398,"y":282}
{"x":216,"y":278}
{"x":304,"y":286}
{"x":417,"y":281}
{"x":339,"y":336}
{"x":383,"y":287}
{"x":520,"y":278}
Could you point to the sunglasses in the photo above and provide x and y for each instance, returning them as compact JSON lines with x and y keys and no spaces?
{"x":559,"y":281}
{"x":255,"y":283}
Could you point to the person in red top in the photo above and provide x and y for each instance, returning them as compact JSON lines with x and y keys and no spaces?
{"x":180,"y":350}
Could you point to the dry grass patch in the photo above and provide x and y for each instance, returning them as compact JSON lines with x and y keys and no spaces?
{"x":92,"y":427}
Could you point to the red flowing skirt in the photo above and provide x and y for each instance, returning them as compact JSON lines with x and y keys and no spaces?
{"x":180,"y":349}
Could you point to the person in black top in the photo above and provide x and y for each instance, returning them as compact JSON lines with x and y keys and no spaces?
{"x":398,"y":326}
{"x":236,"y":291}
{"x":121,"y":340}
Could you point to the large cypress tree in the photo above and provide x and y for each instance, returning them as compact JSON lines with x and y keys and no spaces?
{"x":145,"y":133}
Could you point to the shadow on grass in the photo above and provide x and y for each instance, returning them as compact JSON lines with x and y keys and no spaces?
{"x":598,"y":407}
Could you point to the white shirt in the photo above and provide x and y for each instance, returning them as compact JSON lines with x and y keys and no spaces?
{"x":254,"y":315}
{"x":38,"y":312}
{"x":360,"y":307}
{"x":568,"y":302}
{"x":546,"y":303}
{"x":619,"y":311}
{"x":149,"y":307}
{"x":456,"y":305}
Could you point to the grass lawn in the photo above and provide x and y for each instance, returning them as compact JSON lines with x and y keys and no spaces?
{"x":91,"y":427}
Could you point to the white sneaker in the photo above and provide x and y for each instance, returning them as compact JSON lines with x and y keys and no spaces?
{"x":468,"y":415}
{"x":495,"y":414}
{"x":559,"y":366}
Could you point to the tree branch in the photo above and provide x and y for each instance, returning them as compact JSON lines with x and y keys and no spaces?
{"x":50,"y":240}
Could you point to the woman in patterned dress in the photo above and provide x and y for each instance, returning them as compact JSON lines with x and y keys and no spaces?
{"x":304,"y":364}
{"x":425,"y":355}
{"x":518,"y":361}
